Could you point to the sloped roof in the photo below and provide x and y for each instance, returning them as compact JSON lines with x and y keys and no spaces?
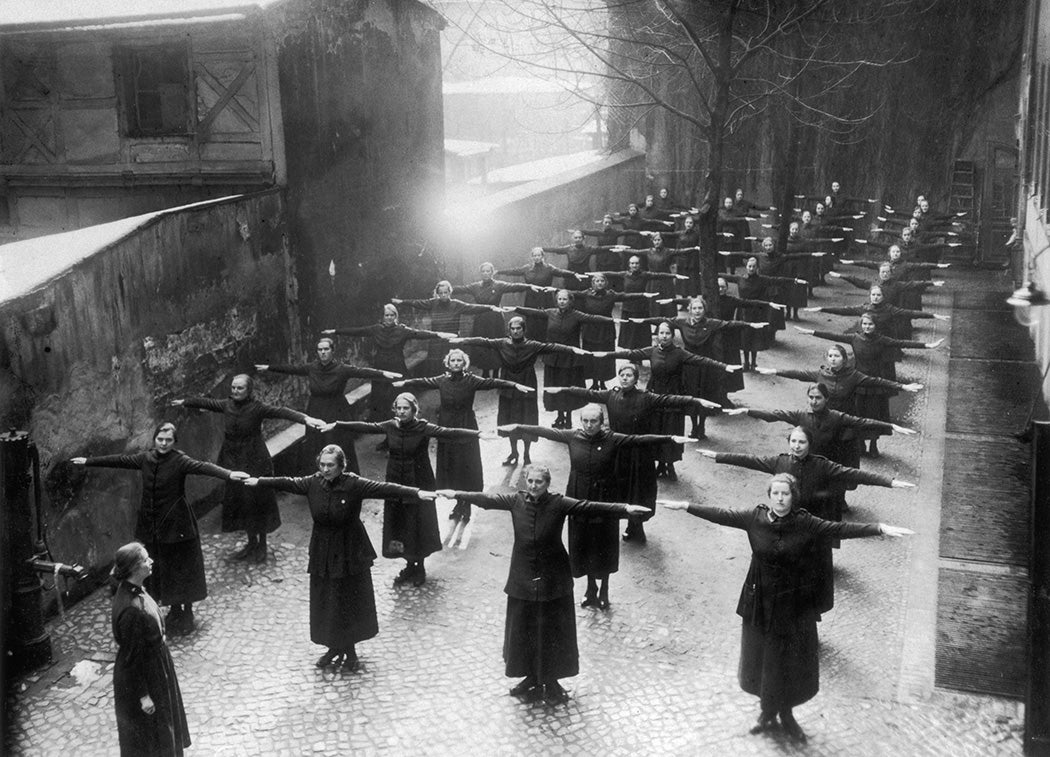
{"x":42,"y":15}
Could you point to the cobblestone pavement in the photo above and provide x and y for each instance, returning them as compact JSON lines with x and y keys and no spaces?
{"x":658,"y":669}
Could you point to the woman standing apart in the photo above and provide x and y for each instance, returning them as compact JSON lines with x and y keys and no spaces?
{"x":779,"y":655}
{"x":539,"y":640}
{"x":410,"y":529}
{"x":342,"y":600}
{"x":166,"y":523}
{"x":327,"y":379}
{"x":150,"y":716}
{"x":243,"y":448}
{"x":459,"y":460}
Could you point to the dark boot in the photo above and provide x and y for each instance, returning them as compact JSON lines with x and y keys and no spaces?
{"x":259,"y":555}
{"x":791,"y":726}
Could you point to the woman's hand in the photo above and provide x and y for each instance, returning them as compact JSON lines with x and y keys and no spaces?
{"x":396,"y":301}
{"x":708,"y":453}
{"x":759,"y":325}
{"x":524,"y":389}
{"x":937,"y":283}
{"x":912,"y":387}
{"x":766,"y":371}
{"x":673,"y":504}
{"x":709,"y":404}
{"x":579,"y":351}
{"x":934,"y":345}
{"x":804,"y":331}
{"x":650,"y":295}
{"x":894,"y":531}
{"x":147,"y":705}
{"x":447,"y":334}
{"x":177,"y":403}
{"x":667,"y":301}
{"x":681,"y":277}
{"x":252,"y":481}
{"x":778,"y":306}
{"x":811,"y":310}
{"x":554,"y":389}
{"x":642,"y":320}
{"x":733,"y":368}
{"x":329,"y":426}
{"x":239,"y":475}
{"x":940,"y":317}
{"x":77,"y":460}
{"x":262,"y":367}
{"x":682,"y":439}
{"x":734,"y":410}
{"x":898,"y":484}
{"x":315,"y":422}
{"x":903,"y":430}
{"x":818,"y":254}
{"x":399,"y":384}
{"x":834,"y":275}
{"x":943,"y":265}
{"x":455,"y":340}
{"x":801,"y":281}
{"x":638,"y":510}
{"x":327,"y":332}
{"x":392,"y":375}
{"x":427,"y":495}
{"x":446,"y":493}
{"x":846,"y":262}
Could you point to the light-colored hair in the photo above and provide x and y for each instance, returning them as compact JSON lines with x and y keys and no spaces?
{"x":407,"y":397}
{"x":543,"y":470}
{"x":594,"y":407}
{"x":248,"y":379}
{"x":391,"y":306}
{"x":442,"y":283}
{"x":126,"y":560}
{"x":333,"y":449}
{"x":457,"y":353}
{"x":785,"y":478}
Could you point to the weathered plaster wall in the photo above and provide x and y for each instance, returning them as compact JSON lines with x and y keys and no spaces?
{"x":361,"y":95}
{"x":89,"y":361}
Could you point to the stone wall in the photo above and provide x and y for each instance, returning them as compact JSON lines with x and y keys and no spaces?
{"x":90,"y":360}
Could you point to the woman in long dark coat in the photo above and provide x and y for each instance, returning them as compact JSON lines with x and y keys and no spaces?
{"x":703,"y":336}
{"x":779,"y":655}
{"x":388,"y":340}
{"x":890,"y":319}
{"x":540,"y":275}
{"x":729,"y":309}
{"x":539,"y":640}
{"x":818,"y":480}
{"x":166,"y":523}
{"x":327,"y":384}
{"x":637,"y":299}
{"x":564,"y":326}
{"x":410,"y":529}
{"x":667,"y":362}
{"x":243,"y":448}
{"x":445,"y":315}
{"x":517,"y":356}
{"x":594,"y":543}
{"x":459,"y":460}
{"x":489,"y":291}
{"x":874,"y":355}
{"x":342,"y":600}
{"x":601,"y":337}
{"x":756,"y":286}
{"x":632,"y":411}
{"x":150,"y":717}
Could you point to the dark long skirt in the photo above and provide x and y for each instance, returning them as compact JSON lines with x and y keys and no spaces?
{"x":178,"y":572}
{"x":562,"y":375}
{"x":594,"y":546}
{"x":410,"y":529}
{"x":515,"y":407}
{"x":491,"y":326}
{"x":164,"y":733}
{"x":244,"y":508}
{"x":636,"y":478}
{"x":635,"y":336}
{"x":381,"y":398}
{"x":539,"y":639}
{"x":731,"y":382}
{"x":781,"y":669}
{"x":598,"y":337}
{"x":670,"y":422}
{"x":873,"y":403}
{"x":342,"y":610}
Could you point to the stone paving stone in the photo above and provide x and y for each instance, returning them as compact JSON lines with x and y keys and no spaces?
{"x":658,"y":670}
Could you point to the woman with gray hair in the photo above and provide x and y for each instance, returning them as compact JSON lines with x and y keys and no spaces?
{"x":779,"y":657}
{"x":243,"y":448}
{"x":539,"y":640}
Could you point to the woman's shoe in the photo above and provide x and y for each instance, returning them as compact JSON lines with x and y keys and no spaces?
{"x":512,"y":459}
{"x":419,"y":576}
{"x":403,"y":576}
{"x":326,"y":659}
{"x":766,"y":721}
{"x":792,"y":728}
{"x":527,"y":684}
{"x":350,"y":662}
{"x":589,"y":600}
{"x":243,"y":553}
{"x":553,"y":693}
{"x":670,"y":472}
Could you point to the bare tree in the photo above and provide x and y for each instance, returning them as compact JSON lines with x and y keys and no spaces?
{"x":707,"y":65}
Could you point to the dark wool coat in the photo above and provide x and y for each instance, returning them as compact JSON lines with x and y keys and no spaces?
{"x":144,"y":667}
{"x":244,"y":449}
